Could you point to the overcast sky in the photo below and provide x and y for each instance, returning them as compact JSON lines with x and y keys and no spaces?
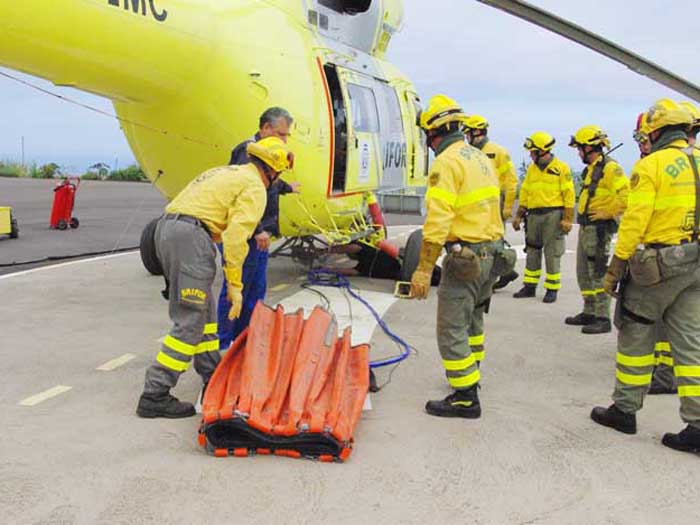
{"x":520,"y":77}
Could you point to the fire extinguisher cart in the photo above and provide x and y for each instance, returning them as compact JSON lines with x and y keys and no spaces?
{"x":63,"y":203}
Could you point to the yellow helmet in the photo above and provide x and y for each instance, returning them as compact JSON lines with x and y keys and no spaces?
{"x":539,"y":140}
{"x":441,"y":110}
{"x":590,"y":136}
{"x":273,"y":152}
{"x":476,"y":122}
{"x":666,"y":112}
{"x":693,"y":110}
{"x":641,"y":132}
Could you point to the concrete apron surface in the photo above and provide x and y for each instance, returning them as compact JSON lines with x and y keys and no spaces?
{"x":77,"y":339}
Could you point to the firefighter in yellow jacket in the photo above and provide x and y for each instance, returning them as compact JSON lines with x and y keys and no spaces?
{"x":662,"y":380}
{"x":603,"y":198}
{"x":463,"y":215}
{"x":547,"y":200}
{"x":221,"y":205}
{"x":476,"y":132}
{"x":658,"y":242}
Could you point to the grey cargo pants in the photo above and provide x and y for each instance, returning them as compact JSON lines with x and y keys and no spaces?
{"x":188,"y":257}
{"x":459,"y":304}
{"x":595,"y":300}
{"x":544,"y":234}
{"x":677,"y":301}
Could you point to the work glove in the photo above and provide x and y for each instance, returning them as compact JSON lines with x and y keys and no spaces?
{"x":616,"y":271}
{"x":600,"y":215}
{"x":567,"y":220}
{"x":420,"y":282}
{"x":233,"y":294}
{"x":517,"y":220}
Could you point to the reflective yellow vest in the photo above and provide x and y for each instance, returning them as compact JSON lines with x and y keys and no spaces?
{"x":611,"y":193}
{"x":230,"y":200}
{"x":507,"y":179}
{"x":548,"y":188}
{"x":661,"y":204}
{"x":463,"y":197}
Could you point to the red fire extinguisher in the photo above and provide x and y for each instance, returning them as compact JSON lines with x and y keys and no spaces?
{"x":63,"y":203}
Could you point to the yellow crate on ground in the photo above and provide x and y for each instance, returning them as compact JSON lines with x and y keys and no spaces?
{"x":8,"y":226}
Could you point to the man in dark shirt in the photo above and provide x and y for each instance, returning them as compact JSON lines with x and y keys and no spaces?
{"x":275,"y":122}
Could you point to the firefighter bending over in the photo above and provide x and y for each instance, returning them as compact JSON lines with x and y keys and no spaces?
{"x":221,"y":205}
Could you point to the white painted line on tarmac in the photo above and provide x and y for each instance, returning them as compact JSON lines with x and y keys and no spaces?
{"x":362,"y":321}
{"x":43,"y":396}
{"x":116,"y":363}
{"x":60,"y":265}
{"x":279,"y":287}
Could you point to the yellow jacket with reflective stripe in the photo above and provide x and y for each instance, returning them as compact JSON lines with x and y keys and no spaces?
{"x":230,"y":200}
{"x":463,"y":197}
{"x":661,"y":204}
{"x":547,"y":188}
{"x":507,"y":180}
{"x":613,"y":188}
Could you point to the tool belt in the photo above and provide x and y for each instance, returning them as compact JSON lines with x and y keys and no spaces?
{"x":187,"y":218}
{"x":544,"y":210}
{"x":464,"y":262}
{"x":660,"y":262}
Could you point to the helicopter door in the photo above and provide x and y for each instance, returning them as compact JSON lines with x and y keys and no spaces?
{"x":417,"y":141}
{"x":391,"y":136}
{"x":363,"y":167}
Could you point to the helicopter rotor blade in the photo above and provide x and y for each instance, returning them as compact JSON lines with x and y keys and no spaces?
{"x":571,"y":31}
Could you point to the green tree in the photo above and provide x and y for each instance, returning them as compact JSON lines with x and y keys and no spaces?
{"x":47,"y":171}
{"x":133,"y":173}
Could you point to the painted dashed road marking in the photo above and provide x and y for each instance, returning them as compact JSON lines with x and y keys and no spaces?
{"x":43,"y":396}
{"x":116,"y":363}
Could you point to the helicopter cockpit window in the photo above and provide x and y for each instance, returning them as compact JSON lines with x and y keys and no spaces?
{"x":363,"y":107}
{"x":350,"y":7}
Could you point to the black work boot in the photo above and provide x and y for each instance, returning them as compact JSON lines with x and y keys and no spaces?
{"x":687,"y":440}
{"x":613,"y":417}
{"x":581,"y":319}
{"x":505,"y":280}
{"x":462,"y":403}
{"x":601,"y":325}
{"x":163,"y":405}
{"x":528,"y":290}
{"x":550,"y":296}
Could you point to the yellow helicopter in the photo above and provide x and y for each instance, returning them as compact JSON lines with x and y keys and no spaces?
{"x":189,"y":78}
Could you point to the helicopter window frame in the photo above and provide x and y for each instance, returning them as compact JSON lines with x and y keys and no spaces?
{"x":391,"y":108}
{"x":350,"y":7}
{"x":363,"y":108}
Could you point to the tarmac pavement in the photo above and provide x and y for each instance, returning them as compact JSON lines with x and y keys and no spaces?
{"x":111,"y":214}
{"x":77,"y":338}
